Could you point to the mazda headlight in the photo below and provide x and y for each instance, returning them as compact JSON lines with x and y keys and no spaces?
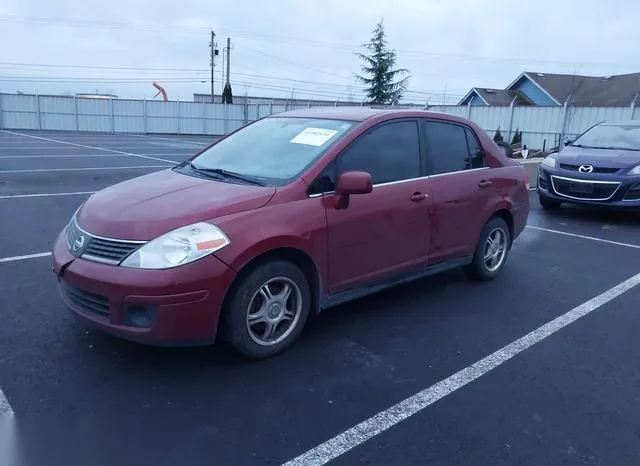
{"x":634,"y":171}
{"x":549,"y":161}
{"x":178,"y":247}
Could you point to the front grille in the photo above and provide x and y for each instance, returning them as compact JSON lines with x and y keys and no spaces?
{"x":109,"y":250}
{"x":567,"y":166}
{"x":84,"y":300}
{"x":88,"y":246}
{"x":581,"y":189}
{"x":633,"y":193}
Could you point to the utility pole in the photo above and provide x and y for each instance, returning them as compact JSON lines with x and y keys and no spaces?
{"x":214,"y":53}
{"x":228,"y":59}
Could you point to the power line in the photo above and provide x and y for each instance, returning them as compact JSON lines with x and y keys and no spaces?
{"x":284,"y":60}
{"x":285,"y":39}
{"x":168,"y":74}
{"x":327,"y":90}
{"x":115,"y":68}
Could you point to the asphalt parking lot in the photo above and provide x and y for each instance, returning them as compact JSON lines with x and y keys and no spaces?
{"x":567,"y":393}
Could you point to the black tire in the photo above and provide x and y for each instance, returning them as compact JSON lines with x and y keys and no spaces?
{"x":478,"y":269}
{"x":506,"y":147}
{"x":235,"y":328}
{"x":548,"y":203}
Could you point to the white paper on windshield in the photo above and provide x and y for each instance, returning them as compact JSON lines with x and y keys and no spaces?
{"x":314,"y":136}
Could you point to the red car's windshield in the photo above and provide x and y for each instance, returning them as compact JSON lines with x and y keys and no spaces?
{"x":274,"y":150}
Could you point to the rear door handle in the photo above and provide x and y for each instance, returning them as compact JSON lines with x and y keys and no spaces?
{"x":417,"y":197}
{"x":484,"y":183}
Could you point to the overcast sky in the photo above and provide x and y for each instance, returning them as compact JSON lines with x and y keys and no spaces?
{"x":307,"y":48}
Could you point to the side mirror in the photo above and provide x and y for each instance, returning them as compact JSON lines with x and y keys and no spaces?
{"x":568,"y":142}
{"x":354,"y":183}
{"x":349,"y":183}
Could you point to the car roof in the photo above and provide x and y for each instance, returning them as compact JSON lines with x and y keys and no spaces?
{"x":357,"y":113}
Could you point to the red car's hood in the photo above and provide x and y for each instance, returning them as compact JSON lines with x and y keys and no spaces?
{"x":145,"y":207}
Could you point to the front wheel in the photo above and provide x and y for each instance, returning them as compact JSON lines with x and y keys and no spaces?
{"x":267,"y":309}
{"x":491,"y":252}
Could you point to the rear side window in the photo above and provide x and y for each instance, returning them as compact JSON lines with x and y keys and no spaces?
{"x":452,"y":148}
{"x":475,"y":151}
{"x":390,"y":152}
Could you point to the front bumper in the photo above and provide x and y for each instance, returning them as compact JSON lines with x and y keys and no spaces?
{"x":172,"y":307}
{"x":614,"y":192}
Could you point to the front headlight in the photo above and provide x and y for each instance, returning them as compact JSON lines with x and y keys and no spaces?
{"x":549,"y":161}
{"x":178,"y":247}
{"x":634,"y":171}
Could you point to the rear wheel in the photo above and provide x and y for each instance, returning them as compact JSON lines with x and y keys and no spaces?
{"x":548,"y":203}
{"x":267,"y":309}
{"x":491,"y":252}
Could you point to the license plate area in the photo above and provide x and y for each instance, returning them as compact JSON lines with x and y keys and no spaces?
{"x":581,"y":188}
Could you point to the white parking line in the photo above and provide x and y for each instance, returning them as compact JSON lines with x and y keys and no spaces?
{"x":113,"y":143}
{"x":87,"y":147}
{"x":25,"y":257}
{"x":17,"y":196}
{"x":20,"y":148}
{"x":51,"y":156}
{"x":81,"y":169}
{"x":59,"y":156}
{"x":201,"y":144}
{"x":592,"y":238}
{"x":388,"y":418}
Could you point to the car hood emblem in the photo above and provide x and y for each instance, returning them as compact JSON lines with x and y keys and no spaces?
{"x":585,"y":168}
{"x":78,"y":244}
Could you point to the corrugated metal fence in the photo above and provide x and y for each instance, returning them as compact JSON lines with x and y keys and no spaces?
{"x":21,"y":111}
{"x":540,"y":126}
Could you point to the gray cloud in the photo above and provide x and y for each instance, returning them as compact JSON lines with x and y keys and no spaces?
{"x":448,"y":45}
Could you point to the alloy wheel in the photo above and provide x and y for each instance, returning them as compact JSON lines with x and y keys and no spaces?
{"x":274,"y":311}
{"x":495,"y":249}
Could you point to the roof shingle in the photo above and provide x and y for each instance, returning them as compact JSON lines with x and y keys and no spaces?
{"x":609,"y":91}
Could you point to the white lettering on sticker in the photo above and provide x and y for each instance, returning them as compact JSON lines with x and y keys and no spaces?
{"x":314,"y":136}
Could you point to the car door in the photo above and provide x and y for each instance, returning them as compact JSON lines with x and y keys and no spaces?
{"x":459,"y":183}
{"x":386,"y":230}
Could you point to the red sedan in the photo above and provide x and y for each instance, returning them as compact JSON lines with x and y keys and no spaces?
{"x":288,"y":216}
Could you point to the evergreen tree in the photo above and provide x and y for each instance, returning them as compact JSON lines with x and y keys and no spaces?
{"x":517,"y":138}
{"x":498,"y":136}
{"x":378,"y":67}
{"x":227,"y":96}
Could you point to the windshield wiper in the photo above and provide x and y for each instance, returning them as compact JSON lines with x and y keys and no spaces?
{"x":200,"y":170}
{"x":604,"y":147}
{"x":617,"y":148}
{"x":227,"y":174}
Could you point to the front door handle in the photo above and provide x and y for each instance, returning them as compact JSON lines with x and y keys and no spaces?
{"x":484,"y":183}
{"x":417,"y":197}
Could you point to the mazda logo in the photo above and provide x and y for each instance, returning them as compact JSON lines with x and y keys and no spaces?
{"x":78,"y":243}
{"x":585,"y":168}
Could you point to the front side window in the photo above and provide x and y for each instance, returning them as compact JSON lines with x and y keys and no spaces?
{"x":608,"y":136}
{"x":390,"y":152}
{"x":452,"y":148}
{"x":274,"y":150}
